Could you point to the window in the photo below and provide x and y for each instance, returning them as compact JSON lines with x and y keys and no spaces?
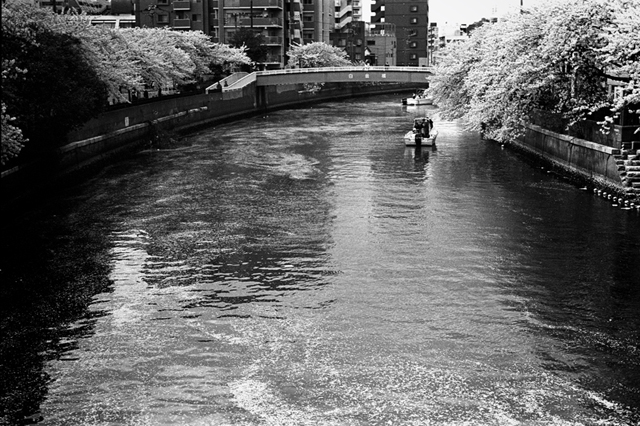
{"x":413,"y":8}
{"x":413,"y":56}
{"x":371,"y":42}
{"x":414,"y":21}
{"x":382,"y":8}
{"x":196,"y":18}
{"x":412,"y":33}
{"x":413,"y":44}
{"x":163,"y":19}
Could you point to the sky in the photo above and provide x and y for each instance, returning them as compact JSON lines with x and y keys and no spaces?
{"x":466,"y":11}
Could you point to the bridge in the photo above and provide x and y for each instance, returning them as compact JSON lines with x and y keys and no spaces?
{"x":237,"y":81}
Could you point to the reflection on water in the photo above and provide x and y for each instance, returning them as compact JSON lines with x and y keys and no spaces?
{"x":264,"y":274}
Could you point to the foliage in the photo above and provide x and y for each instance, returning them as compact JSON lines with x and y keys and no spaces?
{"x":48,"y":84}
{"x":12,"y":139}
{"x":317,"y":55}
{"x":554,"y":58}
{"x":128,"y":59}
{"x":254,"y":43}
{"x":229,"y":57}
{"x":621,"y":50}
{"x":59,"y":70}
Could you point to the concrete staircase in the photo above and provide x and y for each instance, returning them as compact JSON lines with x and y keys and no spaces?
{"x":629,"y":168}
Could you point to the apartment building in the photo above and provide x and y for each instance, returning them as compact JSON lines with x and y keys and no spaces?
{"x":282,"y":23}
{"x":347,"y":11}
{"x":411,"y":19}
{"x":364,"y":42}
{"x":382,"y":44}
{"x":175,"y":14}
{"x":264,"y":17}
{"x":317,"y":20}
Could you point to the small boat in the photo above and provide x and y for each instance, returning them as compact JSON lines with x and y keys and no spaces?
{"x":416,"y":137}
{"x":411,"y":138}
{"x":420,"y":98}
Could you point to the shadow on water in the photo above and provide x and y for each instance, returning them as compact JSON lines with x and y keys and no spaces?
{"x":50,"y":272}
{"x":573,"y":276}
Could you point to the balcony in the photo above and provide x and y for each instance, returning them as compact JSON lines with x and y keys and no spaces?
{"x":181,"y":23}
{"x":262,"y":4}
{"x":272,"y":40}
{"x":181,"y":5}
{"x":267,"y":22}
{"x":273,"y":59}
{"x":245,"y":21}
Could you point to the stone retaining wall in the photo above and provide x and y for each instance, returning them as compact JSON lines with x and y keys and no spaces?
{"x":592,"y":162}
{"x":124,"y":130}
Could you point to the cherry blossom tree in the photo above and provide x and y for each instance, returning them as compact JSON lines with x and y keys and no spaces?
{"x":555,"y":58}
{"x":620,"y":53}
{"x":12,"y":138}
{"x":100,"y":63}
{"x":48,"y":85}
{"x":317,"y":55}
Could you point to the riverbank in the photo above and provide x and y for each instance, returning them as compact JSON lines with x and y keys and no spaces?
{"x":122,"y":131}
{"x":607,"y":170}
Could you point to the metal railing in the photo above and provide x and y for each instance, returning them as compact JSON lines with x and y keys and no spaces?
{"x":252,"y":3}
{"x":250,"y":78}
{"x":350,"y":68}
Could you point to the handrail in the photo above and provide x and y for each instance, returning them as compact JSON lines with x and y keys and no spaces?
{"x":350,"y":68}
{"x":241,"y":82}
{"x":252,"y":77}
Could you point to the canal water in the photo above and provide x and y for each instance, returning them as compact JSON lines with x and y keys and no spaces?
{"x":305,"y":268}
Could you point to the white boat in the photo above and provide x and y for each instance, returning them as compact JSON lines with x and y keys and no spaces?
{"x":411,"y":138}
{"x":420,"y":98}
{"x":415,"y":137}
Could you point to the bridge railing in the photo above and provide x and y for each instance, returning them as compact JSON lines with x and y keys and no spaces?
{"x":252,"y":77}
{"x":338,"y":69}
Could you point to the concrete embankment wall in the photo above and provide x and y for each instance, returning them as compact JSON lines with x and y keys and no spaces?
{"x":590,"y":161}
{"x":128,"y":129}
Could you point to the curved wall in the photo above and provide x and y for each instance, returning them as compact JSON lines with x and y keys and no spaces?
{"x":124,"y":130}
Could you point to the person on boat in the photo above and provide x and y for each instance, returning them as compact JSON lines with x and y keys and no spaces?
{"x":424,"y":126}
{"x":417,"y":126}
